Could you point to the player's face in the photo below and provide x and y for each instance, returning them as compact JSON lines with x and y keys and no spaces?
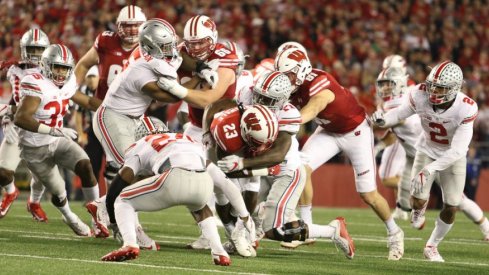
{"x":131,"y":31}
{"x":35,"y":53}
{"x":385,"y":88}
{"x":199,"y":49}
{"x":60,"y":73}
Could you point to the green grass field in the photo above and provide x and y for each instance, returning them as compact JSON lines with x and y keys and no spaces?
{"x":28,"y":247}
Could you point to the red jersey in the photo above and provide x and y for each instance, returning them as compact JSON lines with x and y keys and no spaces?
{"x":111,"y":59}
{"x":340,"y":116}
{"x":226,"y":130}
{"x":228,"y":59}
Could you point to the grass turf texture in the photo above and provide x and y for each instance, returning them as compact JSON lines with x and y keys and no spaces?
{"x":29,"y":247}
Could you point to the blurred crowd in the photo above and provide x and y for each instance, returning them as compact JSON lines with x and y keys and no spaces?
{"x":347,"y":38}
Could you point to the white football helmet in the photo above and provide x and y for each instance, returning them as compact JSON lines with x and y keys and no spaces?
{"x":128,"y":22}
{"x":395,"y":60}
{"x":289,"y":45}
{"x":259,"y":128}
{"x":57,"y":63}
{"x":272,"y":90}
{"x":295,"y":64}
{"x":157,"y":37}
{"x":32,"y":45}
{"x":239,"y":52}
{"x":390,"y":83}
{"x":444,"y":82}
{"x":200,"y":36}
{"x":149,"y":126}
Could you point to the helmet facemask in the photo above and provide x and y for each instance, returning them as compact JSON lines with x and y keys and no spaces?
{"x":439,"y":94}
{"x":129,"y":31}
{"x":385,"y":89}
{"x":273,"y":103}
{"x":32,"y":54}
{"x":200,"y":49}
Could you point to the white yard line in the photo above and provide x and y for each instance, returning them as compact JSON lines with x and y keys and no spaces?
{"x":129,"y":264}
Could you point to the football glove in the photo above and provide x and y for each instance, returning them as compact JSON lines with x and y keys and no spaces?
{"x":419,"y":181}
{"x":63,"y":132}
{"x":378,"y":118}
{"x":9,"y":131}
{"x":231,"y":163}
{"x":172,"y":86}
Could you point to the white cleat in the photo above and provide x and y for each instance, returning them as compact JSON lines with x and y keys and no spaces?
{"x":431,"y":253}
{"x":418,"y":219}
{"x":144,"y":241}
{"x":395,"y":242}
{"x":399,"y":214}
{"x":294,"y":244}
{"x":241,"y":239}
{"x":200,"y":243}
{"x":342,"y":238}
{"x":79,"y":227}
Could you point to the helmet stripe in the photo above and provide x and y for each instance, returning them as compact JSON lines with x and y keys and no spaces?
{"x":133,"y":11}
{"x":196,"y":24}
{"x":64,"y":53}
{"x":440,"y":69}
{"x":36,"y":35}
{"x":269,"y":80}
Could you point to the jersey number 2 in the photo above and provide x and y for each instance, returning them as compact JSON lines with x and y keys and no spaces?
{"x":438,"y":132}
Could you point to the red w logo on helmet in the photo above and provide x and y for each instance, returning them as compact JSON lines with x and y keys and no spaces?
{"x":252,"y":122}
{"x":209,"y":24}
{"x":297,"y":56}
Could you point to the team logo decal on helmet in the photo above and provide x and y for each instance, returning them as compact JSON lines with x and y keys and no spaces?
{"x":259,"y":128}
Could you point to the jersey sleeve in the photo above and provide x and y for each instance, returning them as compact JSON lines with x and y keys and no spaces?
{"x":29,"y":86}
{"x":289,"y":119}
{"x":162,"y":68}
{"x":101,"y":40}
{"x":317,"y":85}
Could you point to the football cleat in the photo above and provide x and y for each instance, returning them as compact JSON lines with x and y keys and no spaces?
{"x":431,"y":253}
{"x":96,"y":210}
{"x":241,"y":241}
{"x":122,"y":254}
{"x":144,"y":241}
{"x":223,"y":260}
{"x":341,"y":237}
{"x":7,"y":201}
{"x":79,"y":227}
{"x":395,"y":243}
{"x":229,"y":247}
{"x":200,"y":243}
{"x":37,"y":213}
{"x":400,"y":214}
{"x":418,"y":219}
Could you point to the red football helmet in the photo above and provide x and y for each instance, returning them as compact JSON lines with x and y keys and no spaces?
{"x":200,"y":36}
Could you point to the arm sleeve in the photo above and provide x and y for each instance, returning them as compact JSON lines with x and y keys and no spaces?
{"x":458,"y":148}
{"x":394,"y":116}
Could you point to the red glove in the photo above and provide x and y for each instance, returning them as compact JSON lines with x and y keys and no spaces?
{"x":274,"y":170}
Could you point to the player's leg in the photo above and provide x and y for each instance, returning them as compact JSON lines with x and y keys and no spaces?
{"x":328,"y":148}
{"x":420,"y":200}
{"x":403,"y":202}
{"x":358,"y":146}
{"x":473,"y":211}
{"x":391,"y":166}
{"x":9,"y":160}
{"x":452,"y":181}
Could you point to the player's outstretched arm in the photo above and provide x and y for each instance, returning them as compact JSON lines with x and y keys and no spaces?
{"x":316,"y":104}
{"x":154,"y":91}
{"x":84,"y":64}
{"x":275,"y":155}
{"x":87,"y":102}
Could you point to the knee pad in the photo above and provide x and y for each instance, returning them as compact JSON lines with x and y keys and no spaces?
{"x":294,"y":231}
{"x":59,"y":200}
{"x":111,"y":170}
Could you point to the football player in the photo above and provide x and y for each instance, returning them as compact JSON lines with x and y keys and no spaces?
{"x":342,"y":127}
{"x":447,"y":117}
{"x":200,"y":36}
{"x":179,"y":178}
{"x":32,"y":45}
{"x":109,"y":52}
{"x":44,"y":143}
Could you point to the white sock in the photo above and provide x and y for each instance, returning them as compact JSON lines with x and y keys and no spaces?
{"x":37,"y":190}
{"x":306,"y":213}
{"x":90,"y":193}
{"x":126,"y":221}
{"x":209,"y":231}
{"x":67,"y":213}
{"x":441,"y":229}
{"x":320,"y":231}
{"x":229,"y":189}
{"x":484,"y":226}
{"x":10,"y":188}
{"x":391,"y":226}
{"x":471,"y":209}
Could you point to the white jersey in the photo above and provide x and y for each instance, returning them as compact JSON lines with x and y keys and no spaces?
{"x":152,"y":151}
{"x":244,"y":88}
{"x":408,"y":131}
{"x":289,"y":120}
{"x":14,"y":76}
{"x":446,"y":133}
{"x":125,"y":94}
{"x":52,"y":108}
